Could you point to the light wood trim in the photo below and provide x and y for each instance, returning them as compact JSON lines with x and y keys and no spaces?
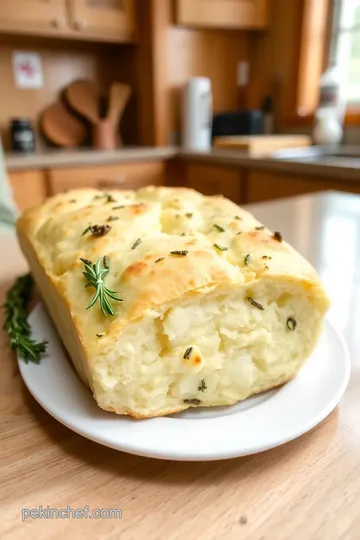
{"x":29,"y":188}
{"x":222,"y":14}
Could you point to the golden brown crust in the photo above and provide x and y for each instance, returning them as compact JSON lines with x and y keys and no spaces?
{"x":165,"y":245}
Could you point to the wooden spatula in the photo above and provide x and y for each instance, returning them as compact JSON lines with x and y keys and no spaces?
{"x":83,"y":97}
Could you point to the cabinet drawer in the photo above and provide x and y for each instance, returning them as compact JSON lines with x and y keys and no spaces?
{"x":113,"y":19}
{"x":29,"y":188}
{"x":131,"y":176}
{"x":214,"y":180}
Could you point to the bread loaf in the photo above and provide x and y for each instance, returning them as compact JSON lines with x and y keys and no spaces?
{"x":215,"y":307}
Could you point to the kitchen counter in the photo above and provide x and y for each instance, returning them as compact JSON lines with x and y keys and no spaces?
{"x":50,"y":159}
{"x":346,"y":169}
{"x":308,"y":488}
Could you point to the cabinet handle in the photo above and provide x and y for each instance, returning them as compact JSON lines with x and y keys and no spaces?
{"x":112,"y":183}
{"x":80,"y":24}
{"x":58,"y":22}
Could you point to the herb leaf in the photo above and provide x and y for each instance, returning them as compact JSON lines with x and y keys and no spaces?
{"x":179,"y":253}
{"x":277,"y":236}
{"x":97,"y":230}
{"x":247,"y":259}
{"x":220,"y":248}
{"x":95,"y":274}
{"x":136,"y":243}
{"x":187,"y":353}
{"x":193,"y":401}
{"x":255,"y":304}
{"x":202,"y":387}
{"x":159,"y":259}
{"x":219,"y":228}
{"x":16,"y":323}
{"x":261,"y":228}
{"x":189,"y":215}
{"x":112,"y":218}
{"x":291,"y":324}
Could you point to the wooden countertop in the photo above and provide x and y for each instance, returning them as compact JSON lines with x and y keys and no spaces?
{"x":306,"y":489}
{"x":346,"y":169}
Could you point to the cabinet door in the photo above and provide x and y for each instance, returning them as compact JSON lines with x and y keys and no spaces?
{"x":107,"y":177}
{"x":214,"y":180}
{"x":29,"y":188}
{"x":223,"y":13}
{"x":109,"y":19}
{"x":32,"y":15}
{"x":266,"y":186}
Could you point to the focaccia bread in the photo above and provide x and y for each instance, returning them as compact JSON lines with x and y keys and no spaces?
{"x":215,"y":307}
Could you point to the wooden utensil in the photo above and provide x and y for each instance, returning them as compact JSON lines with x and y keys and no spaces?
{"x":119,"y":96}
{"x":103,"y":135}
{"x":83,"y":97}
{"x":61,"y":127}
{"x":262,"y":145}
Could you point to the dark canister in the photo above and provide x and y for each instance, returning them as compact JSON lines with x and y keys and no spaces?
{"x":22,"y":135}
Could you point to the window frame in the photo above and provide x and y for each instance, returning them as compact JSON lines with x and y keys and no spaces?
{"x":313,"y":51}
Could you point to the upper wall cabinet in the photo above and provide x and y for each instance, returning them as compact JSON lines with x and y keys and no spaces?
{"x":33,"y":15}
{"x":223,"y":13}
{"x":112,"y":18}
{"x":101,"y":20}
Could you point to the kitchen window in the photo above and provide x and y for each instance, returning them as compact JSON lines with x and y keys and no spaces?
{"x":345,"y":46}
{"x":329,"y":30}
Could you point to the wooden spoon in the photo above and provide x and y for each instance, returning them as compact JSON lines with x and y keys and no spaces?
{"x":61,"y":127}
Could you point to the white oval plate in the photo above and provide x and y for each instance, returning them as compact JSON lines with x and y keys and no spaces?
{"x":255,"y":425}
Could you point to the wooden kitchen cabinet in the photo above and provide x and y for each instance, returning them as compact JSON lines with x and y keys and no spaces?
{"x":29,"y":188}
{"x":215,"y":180}
{"x":263,"y":186}
{"x":115,"y":18}
{"x":107,"y":177}
{"x":33,"y":15}
{"x":223,"y":13}
{"x":101,"y":20}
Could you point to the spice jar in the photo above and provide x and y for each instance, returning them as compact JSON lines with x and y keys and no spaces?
{"x":22,"y":135}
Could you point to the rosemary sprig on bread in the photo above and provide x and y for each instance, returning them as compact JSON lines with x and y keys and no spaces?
{"x":95,"y":274}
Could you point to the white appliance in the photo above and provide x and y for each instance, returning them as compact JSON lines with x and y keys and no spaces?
{"x":197,"y":114}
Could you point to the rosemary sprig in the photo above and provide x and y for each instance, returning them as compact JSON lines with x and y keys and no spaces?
{"x":16,"y":323}
{"x":94,"y":273}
